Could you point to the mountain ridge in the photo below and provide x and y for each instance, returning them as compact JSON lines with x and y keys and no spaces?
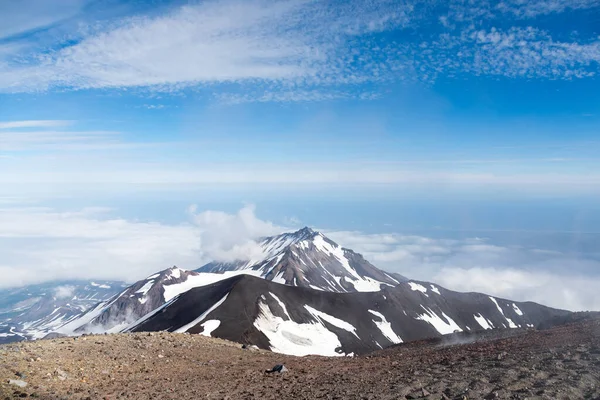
{"x":308,"y":258}
{"x":307,"y":295}
{"x":301,"y":321}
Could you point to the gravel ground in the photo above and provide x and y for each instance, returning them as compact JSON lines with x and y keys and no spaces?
{"x":561,"y":363}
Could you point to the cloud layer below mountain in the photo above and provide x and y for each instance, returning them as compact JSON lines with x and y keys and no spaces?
{"x":41,"y":244}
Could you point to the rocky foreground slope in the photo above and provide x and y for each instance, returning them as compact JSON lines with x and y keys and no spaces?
{"x":559,"y":363}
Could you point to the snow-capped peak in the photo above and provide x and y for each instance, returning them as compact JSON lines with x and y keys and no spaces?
{"x":308,"y":258}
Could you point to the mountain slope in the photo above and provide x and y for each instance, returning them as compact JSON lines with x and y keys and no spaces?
{"x":133,"y":302}
{"x":304,"y":258}
{"x":33,"y":311}
{"x":300,"y":321}
{"x":139,"y":299}
{"x":307,"y":258}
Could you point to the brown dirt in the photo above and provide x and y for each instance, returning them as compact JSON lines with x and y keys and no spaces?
{"x":562,"y":363}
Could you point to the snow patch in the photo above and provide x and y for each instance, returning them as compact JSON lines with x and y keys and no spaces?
{"x":438,"y":323}
{"x":195,"y":322}
{"x":332,"y":320}
{"x":299,"y":339}
{"x":209,"y":326}
{"x":281,"y":304}
{"x":201,"y":279}
{"x":511,"y":324}
{"x":335,"y":251}
{"x":517,"y":309}
{"x":484,"y":323}
{"x":175,"y":273}
{"x":418,"y":288}
{"x":386,"y":328}
{"x":435,"y":290}
{"x":147,"y":286}
{"x":279,"y":278}
{"x":367,"y":284}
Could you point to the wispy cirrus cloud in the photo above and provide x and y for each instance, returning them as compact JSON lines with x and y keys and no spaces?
{"x":293,"y":96}
{"x":534,"y":8}
{"x":57,"y":140}
{"x":516,"y":52}
{"x":34,"y":124}
{"x":531,"y":52}
{"x":207,"y":43}
{"x":479,"y":11}
{"x":28,"y":15}
{"x":31,"y":135}
{"x":301,"y":50}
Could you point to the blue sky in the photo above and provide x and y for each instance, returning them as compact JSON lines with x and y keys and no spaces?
{"x":439,"y":119}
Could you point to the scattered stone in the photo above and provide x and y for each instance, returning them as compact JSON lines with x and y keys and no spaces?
{"x":280,"y":368}
{"x":17,"y":382}
{"x":60,"y":374}
{"x":128,"y":368}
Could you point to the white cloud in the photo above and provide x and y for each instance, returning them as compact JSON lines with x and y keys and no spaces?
{"x":480,"y":11}
{"x":41,"y":244}
{"x":530,"y":52}
{"x":297,"y":96}
{"x":569,"y":291}
{"x":64,"y":292}
{"x":34,"y":124}
{"x":17,"y":17}
{"x":57,"y":140}
{"x":535,"y":8}
{"x":517,"y":273}
{"x":208,"y":42}
{"x":298,"y":50}
{"x":230,"y":237}
{"x":515,"y":53}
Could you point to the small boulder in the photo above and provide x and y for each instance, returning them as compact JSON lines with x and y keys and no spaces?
{"x":62,"y":375}
{"x":280,"y":368}
{"x":17,"y":382}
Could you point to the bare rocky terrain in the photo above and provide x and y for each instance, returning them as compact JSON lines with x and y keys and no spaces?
{"x":559,"y":363}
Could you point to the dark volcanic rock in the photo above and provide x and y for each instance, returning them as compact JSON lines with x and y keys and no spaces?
{"x":362,"y":322}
